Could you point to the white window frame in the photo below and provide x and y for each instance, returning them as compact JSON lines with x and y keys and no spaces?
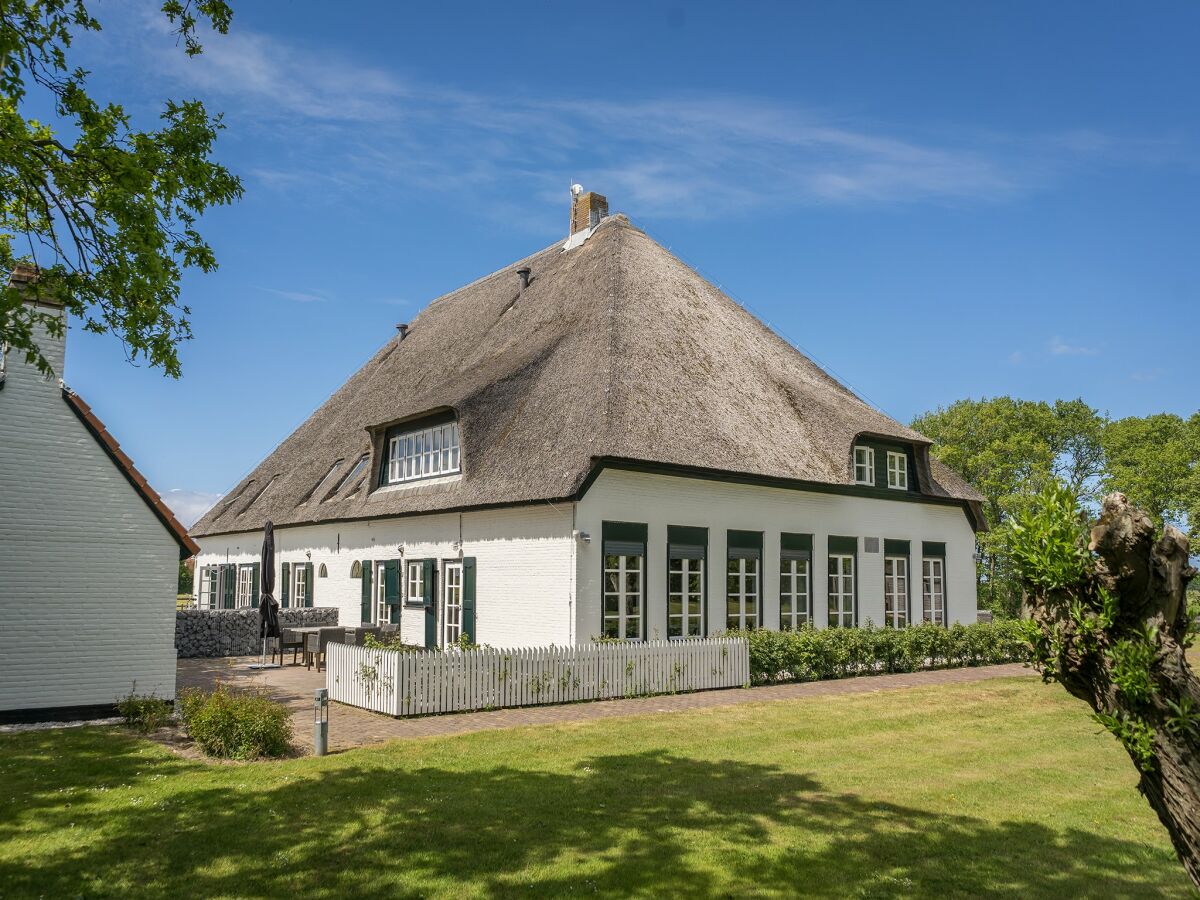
{"x":795,"y":585}
{"x":210,"y":588}
{"x":379,"y":608}
{"x":895,"y":591}
{"x":864,"y":462}
{"x":243,"y":595}
{"x":933,"y":590}
{"x":746,"y":592}
{"x":689,"y":621}
{"x":841,"y":590}
{"x":424,"y":453}
{"x":897,"y":469}
{"x":414,"y":582}
{"x":630,"y":589}
{"x":301,"y":589}
{"x":452,"y":603}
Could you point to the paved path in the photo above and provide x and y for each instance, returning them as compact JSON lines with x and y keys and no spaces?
{"x":352,"y":727}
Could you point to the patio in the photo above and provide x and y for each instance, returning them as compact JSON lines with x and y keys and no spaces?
{"x":350,"y":727}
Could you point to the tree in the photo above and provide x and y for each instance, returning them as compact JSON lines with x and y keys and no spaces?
{"x":105,"y":212}
{"x":1010,"y":450}
{"x":1153,"y":461}
{"x":1109,"y":621}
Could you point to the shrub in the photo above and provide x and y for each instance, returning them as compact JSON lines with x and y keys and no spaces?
{"x":236,"y":725}
{"x":144,"y":712}
{"x":388,"y":641}
{"x":812,"y":654}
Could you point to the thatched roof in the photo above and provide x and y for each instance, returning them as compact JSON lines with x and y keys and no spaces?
{"x":615,"y":350}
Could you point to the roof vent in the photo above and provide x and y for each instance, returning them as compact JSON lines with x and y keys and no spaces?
{"x":523,"y":274}
{"x":402,"y":328}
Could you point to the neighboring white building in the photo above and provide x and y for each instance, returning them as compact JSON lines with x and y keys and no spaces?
{"x":596,"y":441}
{"x":89,"y":555}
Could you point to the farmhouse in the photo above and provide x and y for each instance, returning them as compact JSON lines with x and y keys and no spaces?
{"x":89,"y":555}
{"x":595,"y":441}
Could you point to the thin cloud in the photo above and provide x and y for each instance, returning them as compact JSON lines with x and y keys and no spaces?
{"x":1016,"y":357}
{"x":298,"y":296}
{"x":1147,"y":375}
{"x":189,"y":506}
{"x":330,"y":125}
{"x":1059,"y":347}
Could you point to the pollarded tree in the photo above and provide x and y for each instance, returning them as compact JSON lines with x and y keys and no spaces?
{"x":1108,"y":621}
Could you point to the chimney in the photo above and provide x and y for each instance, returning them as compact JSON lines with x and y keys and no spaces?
{"x":402,"y":329}
{"x":523,"y":274}
{"x":586,"y":209}
{"x":25,"y":278}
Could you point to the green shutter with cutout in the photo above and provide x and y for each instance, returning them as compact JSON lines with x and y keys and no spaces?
{"x":391,"y":589}
{"x":468,"y":599}
{"x":429,"y":581}
{"x":310,"y":584}
{"x":365,"y":612}
{"x":285,"y":573}
{"x":229,"y":586}
{"x":254,"y":598}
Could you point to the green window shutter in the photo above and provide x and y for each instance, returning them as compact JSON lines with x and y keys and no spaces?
{"x":229,"y":585}
{"x":744,"y":544}
{"x":933,"y":548}
{"x":391,"y":589}
{"x":285,"y":572}
{"x":843,"y":544}
{"x":895,"y":547}
{"x":254,"y":584}
{"x":429,"y":576}
{"x":468,"y":599}
{"x":367,"y":568}
{"x":309,"y":583}
{"x":795,"y":546}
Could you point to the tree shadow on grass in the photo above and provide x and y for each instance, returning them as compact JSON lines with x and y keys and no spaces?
{"x":650,"y":824}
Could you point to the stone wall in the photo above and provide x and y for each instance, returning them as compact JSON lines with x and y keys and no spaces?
{"x":234,"y":632}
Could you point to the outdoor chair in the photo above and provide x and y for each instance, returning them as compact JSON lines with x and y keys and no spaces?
{"x":360,"y":634}
{"x":289,"y":640}
{"x":314,"y":646}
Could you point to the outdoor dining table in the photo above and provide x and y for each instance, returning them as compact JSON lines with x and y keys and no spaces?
{"x":353,"y":634}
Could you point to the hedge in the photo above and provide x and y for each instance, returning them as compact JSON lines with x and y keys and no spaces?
{"x":236,"y":725}
{"x":812,"y":654}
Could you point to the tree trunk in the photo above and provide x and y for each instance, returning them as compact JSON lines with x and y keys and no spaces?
{"x":1148,"y":577}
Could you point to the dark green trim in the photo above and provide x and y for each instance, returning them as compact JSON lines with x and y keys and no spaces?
{"x":744,"y":540}
{"x":285,"y":583}
{"x":254,"y":570}
{"x":796,"y":543}
{"x":309,"y":585}
{"x":368,"y":569}
{"x":933,"y":548}
{"x":843,"y":545}
{"x":429,"y":587}
{"x":633,"y":465}
{"x":468,"y":599}
{"x":391,"y":589}
{"x":895,"y":547}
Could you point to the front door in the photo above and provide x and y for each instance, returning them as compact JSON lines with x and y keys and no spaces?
{"x":380,"y":607}
{"x":452,"y":597}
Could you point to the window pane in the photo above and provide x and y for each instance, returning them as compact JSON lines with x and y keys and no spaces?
{"x":694,"y":583}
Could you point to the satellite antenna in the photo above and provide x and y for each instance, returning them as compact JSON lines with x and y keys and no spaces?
{"x":576,"y":190}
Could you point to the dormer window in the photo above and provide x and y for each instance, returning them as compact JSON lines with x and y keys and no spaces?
{"x":345,"y":479}
{"x":415,"y":451}
{"x":897,"y":469}
{"x":864,"y":465}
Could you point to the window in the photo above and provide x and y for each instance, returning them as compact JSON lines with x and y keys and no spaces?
{"x":895,"y":591}
{"x":245,"y":587}
{"x":209,"y":588}
{"x":452,"y":606}
{"x":300,"y":590}
{"x":266,"y":487}
{"x":422,"y":453}
{"x":897,"y":469}
{"x":742,"y":579}
{"x":319,"y":487}
{"x":864,"y":465}
{"x":415,"y":582}
{"x":345,"y":479}
{"x":624,"y":580}
{"x":795,"y":594}
{"x":841,"y":590}
{"x":687,"y":549}
{"x":933,"y":590}
{"x":381,"y":614}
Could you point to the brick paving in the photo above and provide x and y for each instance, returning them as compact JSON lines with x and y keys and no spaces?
{"x":351,"y":727}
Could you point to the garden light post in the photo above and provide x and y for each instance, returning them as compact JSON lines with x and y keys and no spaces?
{"x":320,"y":721}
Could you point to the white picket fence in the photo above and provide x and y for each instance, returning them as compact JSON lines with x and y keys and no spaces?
{"x":422,"y":682}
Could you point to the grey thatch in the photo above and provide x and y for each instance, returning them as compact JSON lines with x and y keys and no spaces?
{"x":615,"y":350}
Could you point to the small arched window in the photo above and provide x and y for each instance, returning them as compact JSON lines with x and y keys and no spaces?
{"x":322,"y":572}
{"x":356,"y":570}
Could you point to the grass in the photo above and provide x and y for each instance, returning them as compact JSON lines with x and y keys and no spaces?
{"x":996,"y":788}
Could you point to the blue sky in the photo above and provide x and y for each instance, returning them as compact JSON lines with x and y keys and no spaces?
{"x":934,"y":200}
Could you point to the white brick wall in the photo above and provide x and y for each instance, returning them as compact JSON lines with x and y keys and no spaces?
{"x":524,"y":558}
{"x":660,"y":500}
{"x":87,"y":572}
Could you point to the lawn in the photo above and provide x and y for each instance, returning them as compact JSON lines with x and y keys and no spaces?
{"x":996,"y":788}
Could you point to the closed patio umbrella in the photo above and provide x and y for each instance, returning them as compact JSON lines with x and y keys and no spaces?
{"x":268,"y":609}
